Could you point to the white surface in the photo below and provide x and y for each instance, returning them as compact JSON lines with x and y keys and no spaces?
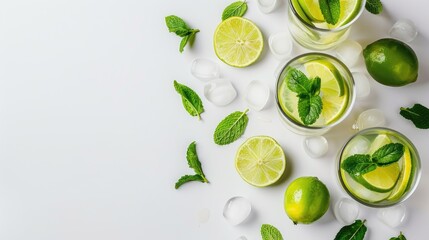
{"x":93,"y":135}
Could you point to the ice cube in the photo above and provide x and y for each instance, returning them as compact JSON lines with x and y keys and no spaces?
{"x":393,"y":216}
{"x":404,"y":30}
{"x":257,"y":95}
{"x":220,"y":92}
{"x":242,"y":238}
{"x":348,"y":52}
{"x":267,"y":6}
{"x":346,"y":211}
{"x":358,"y":145}
{"x":316,"y":146}
{"x":280,"y":45}
{"x":370,"y":118}
{"x":363,"y":88}
{"x":204,"y":69}
{"x":236,"y":210}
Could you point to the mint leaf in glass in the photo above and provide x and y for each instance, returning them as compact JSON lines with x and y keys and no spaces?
{"x":330,"y":10}
{"x":235,"y":9}
{"x":418,"y":114}
{"x":388,"y":154}
{"x":190,"y":100}
{"x":374,"y":6}
{"x":269,"y":232}
{"x":309,"y":108}
{"x":358,"y":164}
{"x":354,"y":231}
{"x":231,"y":128}
{"x":298,"y":82}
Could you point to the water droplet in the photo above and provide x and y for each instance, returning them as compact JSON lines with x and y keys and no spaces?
{"x":236,"y":210}
{"x":220,"y":92}
{"x":257,"y":95}
{"x":346,"y":211}
{"x":316,"y":146}
{"x":404,"y":30}
{"x":204,"y":69}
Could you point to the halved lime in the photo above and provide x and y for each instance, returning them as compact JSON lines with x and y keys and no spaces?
{"x":260,"y":161}
{"x":349,"y":9}
{"x":238,"y":42}
{"x":404,"y":178}
{"x":334,"y":97}
{"x":312,"y":10}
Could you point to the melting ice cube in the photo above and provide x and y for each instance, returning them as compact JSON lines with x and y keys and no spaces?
{"x":316,"y":147}
{"x":280,"y":45}
{"x":346,"y":211}
{"x":393,"y":216}
{"x":363,"y":88}
{"x":370,"y":118}
{"x":348,"y":52}
{"x":404,"y":30}
{"x":236,"y":210}
{"x":220,"y":92}
{"x":204,"y":69}
{"x":358,"y":145}
{"x":267,"y":6}
{"x":257,"y":95}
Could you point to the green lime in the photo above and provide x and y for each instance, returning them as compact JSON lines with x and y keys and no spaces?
{"x":306,"y":200}
{"x":391,"y":62}
{"x":260,"y":161}
{"x":238,"y":42}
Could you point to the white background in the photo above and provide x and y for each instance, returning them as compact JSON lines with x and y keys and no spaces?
{"x":93,"y":135}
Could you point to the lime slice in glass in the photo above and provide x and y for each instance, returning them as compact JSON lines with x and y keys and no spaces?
{"x":404,"y":178}
{"x":312,"y":10}
{"x":349,"y":9}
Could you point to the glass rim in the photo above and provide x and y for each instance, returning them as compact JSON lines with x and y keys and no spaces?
{"x":352,"y":91}
{"x":416,"y":178}
{"x":362,"y":7}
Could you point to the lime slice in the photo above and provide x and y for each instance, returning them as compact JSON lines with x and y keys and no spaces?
{"x":379,"y":141}
{"x":349,"y":9}
{"x":311,"y":8}
{"x":360,"y":191}
{"x":300,"y":12}
{"x":404,"y":178}
{"x":238,"y":42}
{"x":288,"y":100}
{"x":260,"y":161}
{"x":332,"y":90}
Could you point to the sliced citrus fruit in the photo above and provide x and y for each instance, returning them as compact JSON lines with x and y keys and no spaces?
{"x":260,"y":161}
{"x":300,"y":12}
{"x":360,"y":191}
{"x":312,"y":10}
{"x":349,"y":9}
{"x":404,"y":178}
{"x":334,"y":98}
{"x":238,"y":42}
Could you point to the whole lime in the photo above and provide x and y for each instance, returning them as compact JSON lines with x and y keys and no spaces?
{"x":306,"y":200}
{"x":391,"y":62}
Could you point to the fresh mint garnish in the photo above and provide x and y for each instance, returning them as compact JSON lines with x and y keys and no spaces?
{"x":180,"y":28}
{"x":374,"y":6}
{"x":269,"y":232}
{"x":195,"y":164}
{"x":359,"y":164}
{"x":235,"y":9}
{"x":400,"y":237}
{"x":354,"y":231}
{"x":231,"y":128}
{"x":330,"y":10}
{"x":418,"y":114}
{"x":309,"y":102}
{"x":190,"y":100}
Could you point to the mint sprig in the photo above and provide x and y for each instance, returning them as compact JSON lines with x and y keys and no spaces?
{"x":418,"y":114}
{"x":269,"y":232}
{"x":235,"y":9}
{"x":308,"y":90}
{"x":354,"y":231}
{"x":374,"y":6}
{"x":180,"y":28}
{"x":359,"y":164}
{"x":400,"y":237}
{"x":195,"y":164}
{"x":330,"y":10}
{"x":190,"y":99}
{"x":231,"y":128}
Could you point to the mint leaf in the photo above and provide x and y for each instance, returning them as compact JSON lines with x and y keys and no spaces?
{"x":178,"y":26}
{"x":188,"y":178}
{"x":354,"y":231}
{"x":418,"y":114}
{"x":269,"y":232}
{"x":309,"y":109}
{"x":231,"y":128}
{"x":193,"y":161}
{"x":358,"y":164}
{"x":388,"y":154}
{"x":298,"y":82}
{"x":400,"y":237}
{"x":315,"y":86}
{"x":235,"y":9}
{"x":374,"y":6}
{"x":190,"y":100}
{"x":330,"y":10}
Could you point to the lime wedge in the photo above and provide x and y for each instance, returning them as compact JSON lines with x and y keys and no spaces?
{"x":404,"y":178}
{"x":260,"y":161}
{"x":312,"y":10}
{"x":288,"y":100}
{"x":238,"y":42}
{"x":349,"y":9}
{"x":300,"y":12}
{"x":361,"y":191}
{"x":332,"y":90}
{"x":379,"y":142}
